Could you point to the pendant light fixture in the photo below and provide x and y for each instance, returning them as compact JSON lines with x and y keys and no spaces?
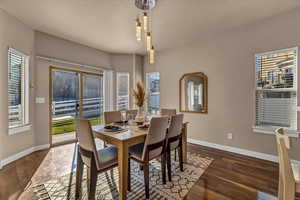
{"x":138,"y":29}
{"x":145,"y":21}
{"x":148,"y":41}
{"x":143,"y":27}
{"x":152,"y":55}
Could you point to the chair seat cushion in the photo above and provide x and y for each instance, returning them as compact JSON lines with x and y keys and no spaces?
{"x":137,"y":151}
{"x":108,"y":156}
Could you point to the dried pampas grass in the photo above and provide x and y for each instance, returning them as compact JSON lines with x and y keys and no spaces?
{"x":139,"y":94}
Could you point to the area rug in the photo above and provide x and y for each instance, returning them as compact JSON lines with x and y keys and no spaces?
{"x":107,"y":184}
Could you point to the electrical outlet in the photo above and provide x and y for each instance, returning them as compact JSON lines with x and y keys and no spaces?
{"x":229,"y":136}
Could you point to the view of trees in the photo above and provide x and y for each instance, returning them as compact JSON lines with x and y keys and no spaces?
{"x":65,"y":85}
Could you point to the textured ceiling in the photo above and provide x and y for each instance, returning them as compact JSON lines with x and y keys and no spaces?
{"x":109,"y":24}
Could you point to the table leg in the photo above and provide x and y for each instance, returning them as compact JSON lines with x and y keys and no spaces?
{"x":79,"y":173}
{"x":184,"y":142}
{"x":123,"y":170}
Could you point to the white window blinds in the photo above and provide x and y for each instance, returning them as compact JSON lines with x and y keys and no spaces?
{"x":17,"y":88}
{"x":122,"y":91}
{"x":276,"y":89}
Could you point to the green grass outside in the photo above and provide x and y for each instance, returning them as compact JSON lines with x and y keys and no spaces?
{"x":67,"y":126}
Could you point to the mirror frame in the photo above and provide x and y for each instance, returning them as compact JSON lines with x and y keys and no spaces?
{"x":205,"y":97}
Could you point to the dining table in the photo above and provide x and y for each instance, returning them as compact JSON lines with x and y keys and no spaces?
{"x":130,"y":135}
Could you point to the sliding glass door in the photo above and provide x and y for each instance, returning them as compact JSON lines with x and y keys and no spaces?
{"x":74,"y":94}
{"x":92,"y":108}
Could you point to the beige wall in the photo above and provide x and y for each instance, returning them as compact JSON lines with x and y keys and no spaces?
{"x":47,"y":45}
{"x":2,"y":44}
{"x":139,"y":68}
{"x":14,"y":34}
{"x":228,"y":61}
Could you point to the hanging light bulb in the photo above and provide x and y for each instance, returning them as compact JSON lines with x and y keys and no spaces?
{"x":148,"y":41}
{"x":145,"y":21}
{"x":152,"y":55}
{"x":138,"y":29}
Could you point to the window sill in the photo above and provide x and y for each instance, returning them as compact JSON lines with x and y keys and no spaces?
{"x":19,"y":129}
{"x":271,"y":131}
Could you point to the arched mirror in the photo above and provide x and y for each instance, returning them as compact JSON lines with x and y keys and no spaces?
{"x":193,"y":93}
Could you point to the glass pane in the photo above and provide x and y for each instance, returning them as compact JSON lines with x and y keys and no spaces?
{"x":93,"y":98}
{"x":153,"y":92}
{"x":122,"y":91}
{"x":15,"y":88}
{"x":65,"y":104}
{"x":276,"y":70}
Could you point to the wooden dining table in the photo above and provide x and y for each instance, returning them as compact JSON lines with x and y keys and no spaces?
{"x":129,"y":136}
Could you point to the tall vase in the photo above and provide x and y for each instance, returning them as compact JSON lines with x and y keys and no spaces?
{"x":140,"y":117}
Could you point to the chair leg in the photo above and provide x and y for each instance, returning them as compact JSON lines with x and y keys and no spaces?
{"x":169,"y":165}
{"x":175,"y":156}
{"x":146,"y":179}
{"x":180,"y":158}
{"x":88,"y":178}
{"x":280,"y":189}
{"x":129,"y":177}
{"x":79,"y":173}
{"x":93,"y":181}
{"x":163,"y":168}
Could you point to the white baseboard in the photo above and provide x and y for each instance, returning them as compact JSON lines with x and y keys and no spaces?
{"x":244,"y":152}
{"x":41,"y":147}
{"x":21,"y":154}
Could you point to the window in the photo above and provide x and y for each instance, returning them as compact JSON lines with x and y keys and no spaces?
{"x":152,"y":85}
{"x":276,"y":90}
{"x":18,"y":89}
{"x":122,"y":91}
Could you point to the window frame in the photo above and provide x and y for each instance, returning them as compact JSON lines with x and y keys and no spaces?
{"x":117,"y":88}
{"x":25,"y":93}
{"x":271,"y":129}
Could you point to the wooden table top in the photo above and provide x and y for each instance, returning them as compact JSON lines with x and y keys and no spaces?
{"x":128,"y":132}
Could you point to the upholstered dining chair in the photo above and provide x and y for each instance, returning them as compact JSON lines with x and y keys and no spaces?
{"x":97,"y":161}
{"x":289,"y":173}
{"x":112,"y":116}
{"x":174,"y":142}
{"x":168,"y":112}
{"x":154,"y":147}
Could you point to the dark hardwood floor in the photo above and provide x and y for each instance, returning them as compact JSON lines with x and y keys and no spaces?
{"x":230,"y":176}
{"x":233,"y":176}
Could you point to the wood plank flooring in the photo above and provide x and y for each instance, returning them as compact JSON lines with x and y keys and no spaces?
{"x":230,"y":176}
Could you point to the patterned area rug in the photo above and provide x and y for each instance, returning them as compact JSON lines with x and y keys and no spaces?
{"x":107,"y":184}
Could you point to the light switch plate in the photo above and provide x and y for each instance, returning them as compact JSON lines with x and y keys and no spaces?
{"x":39,"y":100}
